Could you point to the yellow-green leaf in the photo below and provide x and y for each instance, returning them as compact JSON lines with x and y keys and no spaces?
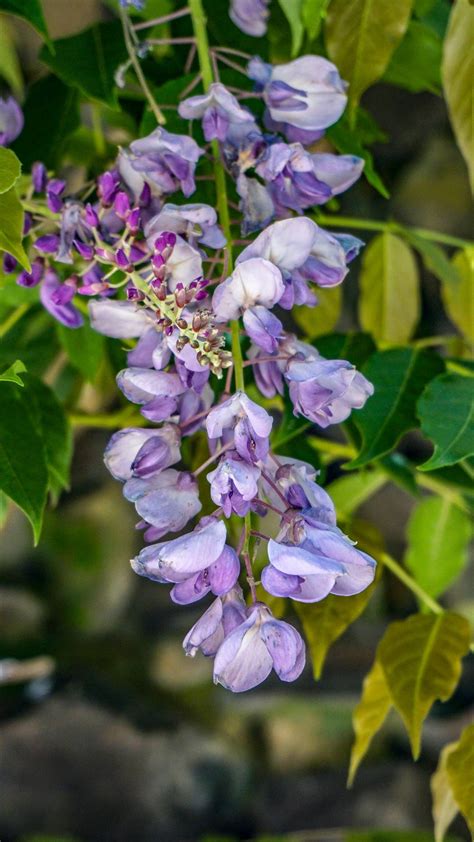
{"x":361,"y":37}
{"x":460,"y":771}
{"x":369,"y":716}
{"x":323,"y":622}
{"x":316,"y":321}
{"x":457,"y":72}
{"x":458,"y":299}
{"x":444,"y":805}
{"x":389,"y":297}
{"x":421,"y":661}
{"x":438,"y":536}
{"x":348,"y":493}
{"x":11,"y":227}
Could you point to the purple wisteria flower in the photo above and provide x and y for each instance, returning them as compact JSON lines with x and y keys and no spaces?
{"x":234,"y":484}
{"x":255,"y":647}
{"x":324,"y":562}
{"x":218,"y":109}
{"x":298,"y":179}
{"x":250,"y":423}
{"x":251,"y":16}
{"x":139,"y":452}
{"x":263,"y":328}
{"x":167,"y":500}
{"x":307,"y":93}
{"x":326,"y":391}
{"x":167,"y":160}
{"x":120,"y":319}
{"x":11,"y":120}
{"x":57,"y":297}
{"x":221,"y":618}
{"x":255,"y":281}
{"x":196,"y":222}
{"x":156,"y":391}
{"x":183,"y":557}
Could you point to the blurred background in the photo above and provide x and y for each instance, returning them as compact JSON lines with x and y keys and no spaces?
{"x":107,"y":732}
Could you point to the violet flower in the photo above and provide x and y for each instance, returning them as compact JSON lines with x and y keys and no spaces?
{"x":57,"y":300}
{"x":250,"y":423}
{"x":217,"y":578}
{"x":181,"y":558}
{"x":251,"y":16}
{"x":138,"y":452}
{"x":11,"y":120}
{"x":218,"y":109}
{"x":255,"y":647}
{"x":221,"y":618}
{"x":307,"y":93}
{"x":255,"y":281}
{"x":119,"y":319}
{"x":168,"y":160}
{"x":167,"y":500}
{"x":234,"y":484}
{"x":326,"y":391}
{"x":196,"y":222}
{"x":156,"y":391}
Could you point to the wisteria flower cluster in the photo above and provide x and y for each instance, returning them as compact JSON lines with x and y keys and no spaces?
{"x":160,"y":273}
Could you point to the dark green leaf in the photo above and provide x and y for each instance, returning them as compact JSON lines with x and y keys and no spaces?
{"x":401,"y":472}
{"x":416,"y":63}
{"x":29,"y":10}
{"x":10,"y":169}
{"x":11,"y":227}
{"x":348,"y":142}
{"x":46,"y":129}
{"x":446,"y":413}
{"x":12,"y":374}
{"x":84,"y":347}
{"x":55,"y":432}
{"x":354,"y":347}
{"x":399,"y":377}
{"x":89,"y":60}
{"x":23,"y":468}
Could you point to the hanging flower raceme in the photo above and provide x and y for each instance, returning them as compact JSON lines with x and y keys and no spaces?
{"x":156,"y":274}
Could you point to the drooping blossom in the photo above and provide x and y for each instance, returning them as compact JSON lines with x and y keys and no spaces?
{"x":11,"y":120}
{"x":326,"y":391}
{"x":222,"y":617}
{"x":251,"y":16}
{"x":56,"y":297}
{"x":307,"y":93}
{"x":255,"y":647}
{"x":196,"y":222}
{"x":234,"y":484}
{"x":167,"y":500}
{"x":167,"y":160}
{"x":255,"y":281}
{"x":250,"y":423}
{"x":218,"y":109}
{"x":140,"y":452}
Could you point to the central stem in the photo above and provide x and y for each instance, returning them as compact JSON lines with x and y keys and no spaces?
{"x":199,"y":25}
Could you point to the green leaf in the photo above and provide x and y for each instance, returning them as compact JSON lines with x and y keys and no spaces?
{"x":421,"y":661}
{"x":348,"y":493}
{"x":444,"y":805}
{"x":10,"y":69}
{"x":399,"y":377}
{"x":88,"y":61}
{"x":312,"y":14}
{"x":434,"y":258}
{"x":460,"y":772}
{"x":458,"y":299}
{"x":84,"y":347}
{"x":458,"y":78}
{"x":446,"y":413}
{"x":3,"y":508}
{"x":361,"y":37}
{"x":23,"y":469}
{"x":347,"y":142}
{"x":12,"y":373}
{"x":316,"y":321}
{"x":354,"y":347}
{"x":11,"y":227}
{"x":29,"y":10}
{"x":52,"y":424}
{"x":438,"y":535}
{"x":169,"y":93}
{"x":369,"y":716}
{"x":10,"y":169}
{"x":292,"y":11}
{"x":47,"y":129}
{"x":325,"y":621}
{"x":389,"y":296}
{"x":416,"y":63}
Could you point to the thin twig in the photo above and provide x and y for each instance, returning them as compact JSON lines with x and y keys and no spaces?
{"x":160,"y":118}
{"x":163,"y":19}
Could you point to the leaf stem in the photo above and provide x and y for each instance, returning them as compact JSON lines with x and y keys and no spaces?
{"x":160,"y":118}
{"x":13,"y":318}
{"x":409,"y":582}
{"x":107,"y":422}
{"x":392,"y":226}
